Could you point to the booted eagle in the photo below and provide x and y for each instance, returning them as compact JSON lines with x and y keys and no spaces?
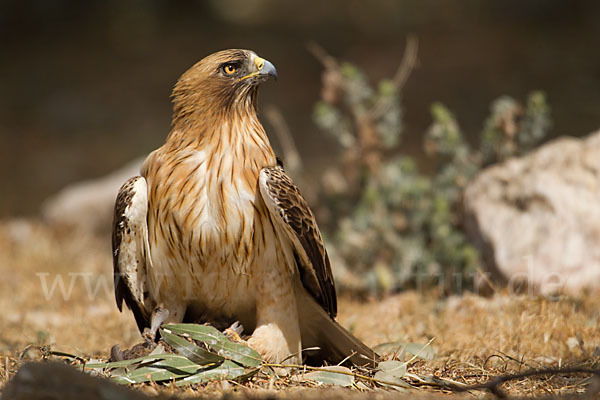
{"x":214,"y":231}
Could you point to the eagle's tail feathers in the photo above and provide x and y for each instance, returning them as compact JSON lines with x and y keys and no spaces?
{"x":336,"y":344}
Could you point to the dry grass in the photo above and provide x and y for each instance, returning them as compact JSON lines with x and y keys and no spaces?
{"x":475,"y":337}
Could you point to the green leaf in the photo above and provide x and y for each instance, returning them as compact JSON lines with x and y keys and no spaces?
{"x":203,"y":333}
{"x":390,"y":381}
{"x":126,"y":363}
{"x":167,"y":369}
{"x":425,"y":352}
{"x":350,"y":71}
{"x":387,"y":87}
{"x":329,"y":376}
{"x":227,"y":370}
{"x":393,"y":368}
{"x":219,"y":343}
{"x":190,"y":350}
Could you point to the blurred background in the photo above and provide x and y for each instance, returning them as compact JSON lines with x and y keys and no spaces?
{"x":385,"y":113}
{"x":85,"y":85}
{"x":446,"y":147}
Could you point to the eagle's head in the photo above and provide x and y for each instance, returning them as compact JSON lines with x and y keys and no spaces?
{"x":223,"y":82}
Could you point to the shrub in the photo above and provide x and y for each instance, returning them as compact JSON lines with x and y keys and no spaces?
{"x":391,"y":225}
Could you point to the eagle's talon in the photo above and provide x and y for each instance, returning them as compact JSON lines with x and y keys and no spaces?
{"x":159,"y":316}
{"x":237,"y":327}
{"x":234,"y":332}
{"x":149,"y":338}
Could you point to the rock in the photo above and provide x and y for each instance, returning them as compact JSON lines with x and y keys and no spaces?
{"x":57,"y":381}
{"x":536,"y":219}
{"x":88,"y":205}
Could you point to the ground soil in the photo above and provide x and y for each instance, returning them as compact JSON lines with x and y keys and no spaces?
{"x":475,"y":338}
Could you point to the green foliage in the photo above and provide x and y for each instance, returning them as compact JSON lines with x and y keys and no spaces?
{"x":191,"y":353}
{"x":218,"y":343}
{"x":203,"y":354}
{"x":392,"y":371}
{"x":335,"y":375}
{"x":512,"y":129}
{"x":391,"y":224}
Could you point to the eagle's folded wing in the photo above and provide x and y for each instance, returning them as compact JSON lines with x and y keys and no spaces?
{"x":291,"y":214}
{"x":130,"y":249}
{"x":317,"y":305}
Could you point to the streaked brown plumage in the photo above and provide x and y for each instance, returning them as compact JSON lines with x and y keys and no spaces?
{"x":215,"y":231}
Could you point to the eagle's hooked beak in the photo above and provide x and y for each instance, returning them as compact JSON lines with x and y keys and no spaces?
{"x":264,"y":68}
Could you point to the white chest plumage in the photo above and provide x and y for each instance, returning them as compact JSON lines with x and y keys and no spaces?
{"x":210,"y":235}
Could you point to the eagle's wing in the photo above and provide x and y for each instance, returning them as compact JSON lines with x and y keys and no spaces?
{"x":130,"y":249}
{"x":291,"y":214}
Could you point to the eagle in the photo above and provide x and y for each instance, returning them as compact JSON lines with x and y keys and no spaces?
{"x":214,"y":231}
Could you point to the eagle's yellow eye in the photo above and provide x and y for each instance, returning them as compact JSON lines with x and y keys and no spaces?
{"x":230,"y":69}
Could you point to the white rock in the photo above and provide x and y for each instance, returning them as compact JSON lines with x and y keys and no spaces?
{"x":89,"y":205}
{"x":537,"y":218}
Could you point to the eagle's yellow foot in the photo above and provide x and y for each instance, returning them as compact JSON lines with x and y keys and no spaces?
{"x":234,"y":332}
